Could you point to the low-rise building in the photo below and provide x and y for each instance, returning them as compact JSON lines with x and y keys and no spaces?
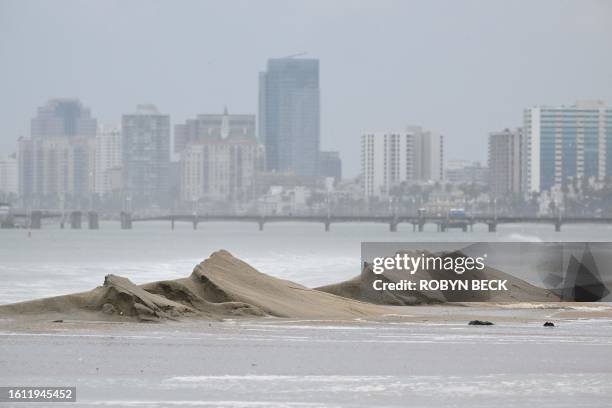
{"x":466,"y":172}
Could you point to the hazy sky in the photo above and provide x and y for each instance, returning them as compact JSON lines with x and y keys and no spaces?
{"x":462,"y":68}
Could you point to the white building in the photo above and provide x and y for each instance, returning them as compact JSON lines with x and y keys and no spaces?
{"x":108,"y":160}
{"x":219,"y":169}
{"x":8,"y":175}
{"x":390,"y":158}
{"x":57,"y":168}
{"x":282,"y":200}
{"x":566,"y":142}
{"x":466,"y":172}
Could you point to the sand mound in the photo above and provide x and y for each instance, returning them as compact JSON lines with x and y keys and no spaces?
{"x":234,"y":280}
{"x":221,"y":286}
{"x":116,"y":297}
{"x":361,"y":287}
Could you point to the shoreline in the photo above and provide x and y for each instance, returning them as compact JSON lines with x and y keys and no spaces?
{"x":434,"y":357}
{"x":446,"y":314}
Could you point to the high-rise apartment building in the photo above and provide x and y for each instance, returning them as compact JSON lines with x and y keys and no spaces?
{"x":505,"y":162}
{"x":428,"y":154}
{"x":63,"y":117}
{"x":145,"y":156}
{"x":289,"y":115}
{"x":56,"y":164}
{"x":108,"y":160}
{"x":566,"y":142}
{"x":219,"y":169}
{"x":56,"y":170}
{"x":25,"y":169}
{"x":8,"y":175}
{"x":213,"y":126}
{"x":219,"y":157}
{"x":390,"y":158}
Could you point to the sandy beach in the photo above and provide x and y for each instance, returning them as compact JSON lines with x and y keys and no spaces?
{"x":231,"y":336}
{"x":430,"y":354}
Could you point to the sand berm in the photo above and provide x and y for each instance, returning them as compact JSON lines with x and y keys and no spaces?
{"x":221,"y":286}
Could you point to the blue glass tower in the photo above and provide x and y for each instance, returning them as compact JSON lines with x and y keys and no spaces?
{"x":289,"y":115}
{"x":564,"y":143}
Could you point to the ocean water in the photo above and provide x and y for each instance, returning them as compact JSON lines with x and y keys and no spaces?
{"x":53,"y":261}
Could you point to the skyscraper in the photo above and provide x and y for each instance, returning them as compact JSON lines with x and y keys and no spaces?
{"x":25,"y":169}
{"x":63,"y":117}
{"x":57,"y":171}
{"x":428,"y":154}
{"x":289,"y":115}
{"x":108,"y":160}
{"x":566,"y":142}
{"x":56,"y":164}
{"x":146,"y":155}
{"x":219,"y":157}
{"x":505,"y":162}
{"x":390,"y":158}
{"x":219,"y":169}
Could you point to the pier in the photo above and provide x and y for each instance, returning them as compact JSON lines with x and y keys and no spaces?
{"x":33,"y":219}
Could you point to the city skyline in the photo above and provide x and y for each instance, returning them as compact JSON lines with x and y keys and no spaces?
{"x":240,"y":123}
{"x":435,"y":72}
{"x":575,"y":133}
{"x":72,"y":161}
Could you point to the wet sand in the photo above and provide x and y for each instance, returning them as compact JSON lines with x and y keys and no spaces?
{"x":430,"y":357}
